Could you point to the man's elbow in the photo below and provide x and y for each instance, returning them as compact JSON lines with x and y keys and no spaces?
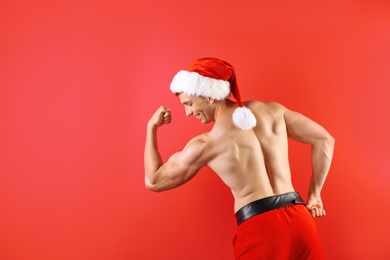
{"x":328,"y":145}
{"x":330,"y":140}
{"x":152,"y":186}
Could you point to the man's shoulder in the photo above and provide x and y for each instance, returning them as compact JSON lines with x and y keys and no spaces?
{"x":198,"y":148}
{"x":199,"y":140}
{"x":271,"y":106}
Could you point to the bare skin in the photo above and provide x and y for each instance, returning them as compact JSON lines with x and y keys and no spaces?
{"x":253,"y":163}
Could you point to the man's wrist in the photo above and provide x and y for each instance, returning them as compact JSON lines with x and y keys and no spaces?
{"x":314,"y":194}
{"x":151,"y":126}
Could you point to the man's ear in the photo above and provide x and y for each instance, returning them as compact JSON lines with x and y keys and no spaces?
{"x":210,"y":100}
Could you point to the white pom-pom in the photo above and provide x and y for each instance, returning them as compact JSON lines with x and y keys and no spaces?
{"x":243,"y":118}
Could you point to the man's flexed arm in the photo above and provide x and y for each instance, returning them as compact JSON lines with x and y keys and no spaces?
{"x":304,"y":130}
{"x":152,"y":157}
{"x":179,"y":168}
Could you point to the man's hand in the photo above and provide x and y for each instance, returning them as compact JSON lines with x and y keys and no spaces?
{"x":314,"y":205}
{"x":162,"y":116}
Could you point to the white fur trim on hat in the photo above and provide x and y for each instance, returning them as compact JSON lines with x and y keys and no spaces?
{"x":194,"y":84}
{"x":243,"y":118}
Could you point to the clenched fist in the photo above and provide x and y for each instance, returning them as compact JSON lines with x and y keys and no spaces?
{"x":162,"y":116}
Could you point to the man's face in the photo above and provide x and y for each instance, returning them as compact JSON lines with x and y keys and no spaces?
{"x":198,"y":107}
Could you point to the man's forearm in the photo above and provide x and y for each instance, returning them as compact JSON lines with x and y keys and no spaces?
{"x":152,"y":158}
{"x":322,"y":154}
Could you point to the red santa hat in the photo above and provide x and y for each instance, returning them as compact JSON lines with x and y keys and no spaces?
{"x":213,"y":78}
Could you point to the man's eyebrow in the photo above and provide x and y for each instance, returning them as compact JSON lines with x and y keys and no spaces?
{"x":186,"y":102}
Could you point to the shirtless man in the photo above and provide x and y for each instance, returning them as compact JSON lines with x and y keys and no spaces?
{"x":248,"y":148}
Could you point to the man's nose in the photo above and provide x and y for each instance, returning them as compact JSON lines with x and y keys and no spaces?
{"x":188,"y":111}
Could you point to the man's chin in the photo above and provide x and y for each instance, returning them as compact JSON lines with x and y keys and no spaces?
{"x":205,"y":122}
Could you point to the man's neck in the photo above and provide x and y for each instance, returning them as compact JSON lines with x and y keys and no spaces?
{"x":221,"y":107}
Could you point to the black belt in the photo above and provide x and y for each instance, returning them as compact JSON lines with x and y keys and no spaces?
{"x":266,"y":204}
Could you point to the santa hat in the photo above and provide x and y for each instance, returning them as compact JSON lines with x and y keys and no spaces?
{"x":213,"y":78}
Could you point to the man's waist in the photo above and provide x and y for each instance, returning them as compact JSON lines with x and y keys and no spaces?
{"x":266,"y":204}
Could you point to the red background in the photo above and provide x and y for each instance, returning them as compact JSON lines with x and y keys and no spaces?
{"x":80,"y":79}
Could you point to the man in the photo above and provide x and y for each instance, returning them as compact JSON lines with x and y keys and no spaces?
{"x":248,"y":148}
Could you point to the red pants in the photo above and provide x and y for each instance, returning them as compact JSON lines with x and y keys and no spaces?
{"x":284,"y":233}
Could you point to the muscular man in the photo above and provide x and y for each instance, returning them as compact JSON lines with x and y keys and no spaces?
{"x":248,"y":148}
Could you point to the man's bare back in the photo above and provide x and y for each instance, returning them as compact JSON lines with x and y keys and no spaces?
{"x":254,"y":163}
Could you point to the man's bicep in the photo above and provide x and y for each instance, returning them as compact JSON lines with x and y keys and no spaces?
{"x":180,"y":168}
{"x":301,"y":128}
